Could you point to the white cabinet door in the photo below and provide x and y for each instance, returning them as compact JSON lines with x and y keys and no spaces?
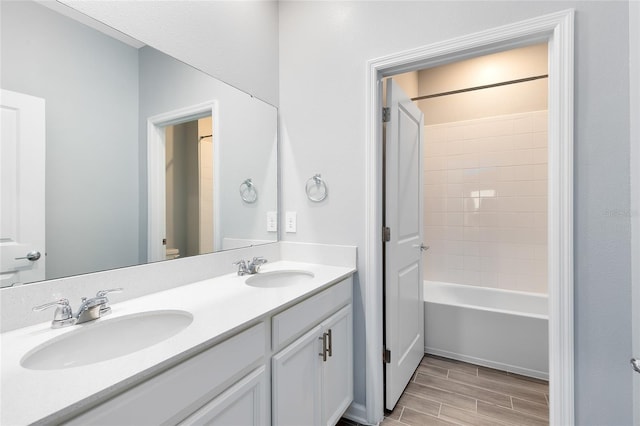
{"x":337,"y":370}
{"x":296,"y":375}
{"x":244,"y":404}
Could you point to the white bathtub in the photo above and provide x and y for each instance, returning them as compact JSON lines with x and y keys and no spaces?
{"x":502,"y":329}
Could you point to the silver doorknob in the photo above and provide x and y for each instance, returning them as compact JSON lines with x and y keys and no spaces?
{"x":32,"y":256}
{"x":421,"y":246}
{"x":635,"y":363}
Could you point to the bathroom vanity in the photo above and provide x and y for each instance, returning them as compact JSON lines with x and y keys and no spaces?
{"x":271,"y":348}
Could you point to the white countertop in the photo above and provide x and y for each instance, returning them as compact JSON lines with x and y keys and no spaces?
{"x":220,"y":306}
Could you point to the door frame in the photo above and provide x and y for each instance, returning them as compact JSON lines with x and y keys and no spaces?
{"x":156,"y":176}
{"x":558,"y":30}
{"x":634,"y":138}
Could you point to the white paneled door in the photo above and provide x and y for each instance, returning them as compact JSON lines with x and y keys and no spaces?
{"x":22,"y":196}
{"x":404,"y":307}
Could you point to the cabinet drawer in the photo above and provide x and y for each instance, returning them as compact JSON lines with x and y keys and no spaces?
{"x":172,"y":395}
{"x":293,"y":322}
{"x":243,"y":404}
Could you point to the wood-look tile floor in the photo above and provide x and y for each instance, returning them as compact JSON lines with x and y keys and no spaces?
{"x":449,"y":392}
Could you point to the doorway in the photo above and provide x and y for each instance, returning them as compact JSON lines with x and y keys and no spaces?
{"x":192,"y":130}
{"x":557,"y":30}
{"x":484,"y":153}
{"x":189,"y":188}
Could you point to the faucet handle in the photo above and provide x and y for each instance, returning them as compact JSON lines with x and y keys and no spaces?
{"x":60,"y":302}
{"x":255,"y":264}
{"x":103,"y":293}
{"x":104,"y":307}
{"x":242,"y":267}
{"x":63,"y":315}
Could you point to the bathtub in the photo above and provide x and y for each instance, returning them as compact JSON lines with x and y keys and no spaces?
{"x":502,"y":329}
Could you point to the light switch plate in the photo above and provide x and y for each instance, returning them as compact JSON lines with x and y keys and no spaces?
{"x":272,"y":221}
{"x":290,"y":222}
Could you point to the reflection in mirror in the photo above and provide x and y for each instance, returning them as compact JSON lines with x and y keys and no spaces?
{"x":189,"y":188}
{"x":113,"y":111}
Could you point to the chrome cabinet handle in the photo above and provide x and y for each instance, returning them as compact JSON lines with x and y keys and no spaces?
{"x":323,"y":354}
{"x":421,"y":246}
{"x":330,"y":343}
{"x":635,"y":363}
{"x":32,"y":256}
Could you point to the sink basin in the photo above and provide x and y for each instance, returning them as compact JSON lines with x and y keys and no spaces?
{"x":106,"y":339}
{"x":279,"y":278}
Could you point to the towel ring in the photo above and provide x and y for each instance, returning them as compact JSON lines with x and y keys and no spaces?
{"x":316,"y":188}
{"x":248,"y":191}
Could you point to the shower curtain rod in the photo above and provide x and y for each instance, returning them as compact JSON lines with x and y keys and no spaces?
{"x":488,"y":86}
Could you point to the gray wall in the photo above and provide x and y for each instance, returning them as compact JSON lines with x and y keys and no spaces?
{"x":236,"y":42}
{"x":90,"y":86}
{"x":336,"y":39}
{"x":246,"y":129}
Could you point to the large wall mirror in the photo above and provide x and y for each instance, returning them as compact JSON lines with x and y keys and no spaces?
{"x":145,"y":158}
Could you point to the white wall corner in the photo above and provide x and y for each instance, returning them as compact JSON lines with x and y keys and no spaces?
{"x":357,"y":413}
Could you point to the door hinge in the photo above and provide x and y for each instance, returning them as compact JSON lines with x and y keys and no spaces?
{"x":386,"y":356}
{"x":386,"y":114}
{"x":386,"y":234}
{"x":164,"y":241}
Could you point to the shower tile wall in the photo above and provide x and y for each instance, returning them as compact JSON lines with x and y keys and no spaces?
{"x":486,"y":202}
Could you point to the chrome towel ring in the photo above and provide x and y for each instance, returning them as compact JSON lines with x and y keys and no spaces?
{"x":248,"y":191}
{"x":316,"y":188}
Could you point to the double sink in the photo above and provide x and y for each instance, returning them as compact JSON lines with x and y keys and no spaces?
{"x":103,"y":340}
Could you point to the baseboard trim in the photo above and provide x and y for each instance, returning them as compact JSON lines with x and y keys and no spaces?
{"x":357,"y":413}
{"x":488,"y":363}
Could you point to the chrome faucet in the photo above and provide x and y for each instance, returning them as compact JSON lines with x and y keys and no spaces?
{"x":251,"y":267}
{"x":89,"y":310}
{"x":94,"y":308}
{"x":255,"y":264}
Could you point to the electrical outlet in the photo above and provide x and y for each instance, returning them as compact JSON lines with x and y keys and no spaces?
{"x":290,"y":222}
{"x":272,"y":221}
